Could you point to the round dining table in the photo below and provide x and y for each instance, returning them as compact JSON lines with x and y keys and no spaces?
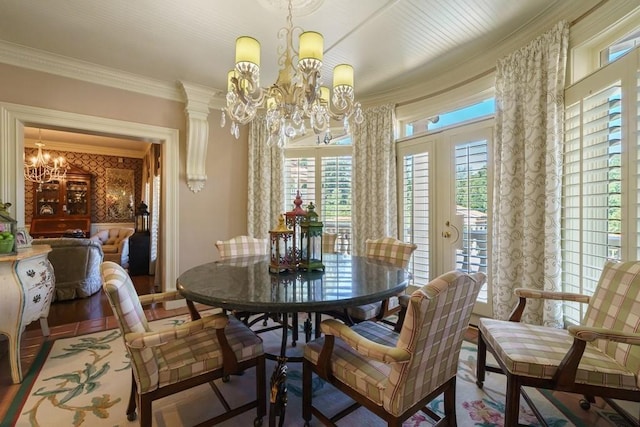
{"x":246,"y":285}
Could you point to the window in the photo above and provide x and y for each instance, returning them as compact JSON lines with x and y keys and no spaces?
{"x":600,"y":178}
{"x":468,"y":113}
{"x":620,"y":47}
{"x":323,"y":176}
{"x":300,"y":175}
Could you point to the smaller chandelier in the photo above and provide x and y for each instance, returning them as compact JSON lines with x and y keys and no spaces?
{"x":297,"y":97}
{"x":41,"y":168}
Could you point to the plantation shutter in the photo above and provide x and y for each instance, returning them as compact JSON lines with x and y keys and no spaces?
{"x":335,"y":209}
{"x":600,"y":207}
{"x":415,"y":227}
{"x":299,"y":176}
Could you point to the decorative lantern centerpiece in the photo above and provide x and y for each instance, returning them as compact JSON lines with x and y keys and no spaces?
{"x":142,"y":218}
{"x":8,"y":230}
{"x":281,"y":248}
{"x":293,"y":219}
{"x":311,"y":237}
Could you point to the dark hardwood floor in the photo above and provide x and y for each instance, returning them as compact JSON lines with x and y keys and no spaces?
{"x":69,"y":318}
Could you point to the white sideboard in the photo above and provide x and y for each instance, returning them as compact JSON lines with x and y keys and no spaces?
{"x":27,"y":283}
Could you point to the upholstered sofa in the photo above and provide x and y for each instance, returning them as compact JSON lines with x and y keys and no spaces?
{"x":76,"y":265}
{"x":115,"y":244}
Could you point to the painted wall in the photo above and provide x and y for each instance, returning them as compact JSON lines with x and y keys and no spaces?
{"x":216,"y":212}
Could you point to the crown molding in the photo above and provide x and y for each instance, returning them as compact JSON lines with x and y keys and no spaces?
{"x":38,"y":60}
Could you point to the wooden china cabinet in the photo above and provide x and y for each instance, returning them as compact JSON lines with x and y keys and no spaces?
{"x":63,"y":208}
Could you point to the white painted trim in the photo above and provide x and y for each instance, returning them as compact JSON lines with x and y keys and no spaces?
{"x":13,"y":118}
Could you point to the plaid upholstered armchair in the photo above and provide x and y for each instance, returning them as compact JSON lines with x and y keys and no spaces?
{"x":395,"y":375}
{"x":242,"y":246}
{"x":392,"y":251}
{"x":599,"y":357}
{"x":180,"y":357}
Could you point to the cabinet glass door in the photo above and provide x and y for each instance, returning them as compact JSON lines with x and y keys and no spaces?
{"x":47,"y":199}
{"x":76,"y":197}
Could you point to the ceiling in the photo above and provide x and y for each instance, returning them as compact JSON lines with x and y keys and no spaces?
{"x":392,"y":44}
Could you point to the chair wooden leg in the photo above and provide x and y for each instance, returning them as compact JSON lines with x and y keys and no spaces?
{"x":482,"y":361}
{"x":512,"y":401}
{"x":450,"y":403}
{"x":131,"y":408}
{"x":306,"y":391}
{"x":146,"y":414}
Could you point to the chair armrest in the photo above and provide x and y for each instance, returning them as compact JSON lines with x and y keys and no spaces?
{"x":566,"y":373}
{"x":524,"y":293}
{"x":362,"y":345}
{"x":589,"y":334}
{"x":141,"y":340}
{"x":563,"y":296}
{"x":160,"y":297}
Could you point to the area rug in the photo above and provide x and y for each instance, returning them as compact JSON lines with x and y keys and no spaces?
{"x":85,"y":381}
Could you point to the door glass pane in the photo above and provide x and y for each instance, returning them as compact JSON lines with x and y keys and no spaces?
{"x":471,"y":188}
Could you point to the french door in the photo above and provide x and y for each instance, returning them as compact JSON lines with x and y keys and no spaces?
{"x":443,"y":182}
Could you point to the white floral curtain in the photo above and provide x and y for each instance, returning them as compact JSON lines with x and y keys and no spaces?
{"x":374,"y":211}
{"x":527,"y":183}
{"x":266,"y":181}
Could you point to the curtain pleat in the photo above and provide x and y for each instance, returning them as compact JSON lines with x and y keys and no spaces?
{"x":266,"y":181}
{"x":374,"y":212}
{"x":528,"y":175}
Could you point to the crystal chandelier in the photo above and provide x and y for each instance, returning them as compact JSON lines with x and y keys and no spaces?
{"x":297,"y":97}
{"x":41,"y":168}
